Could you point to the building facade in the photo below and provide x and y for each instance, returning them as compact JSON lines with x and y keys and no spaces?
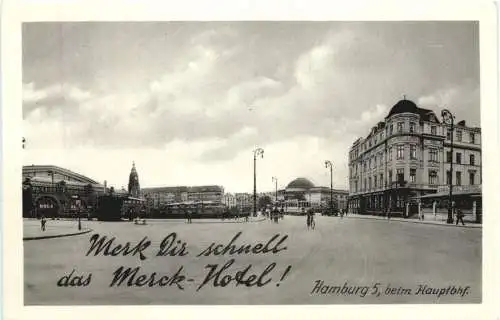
{"x":301,"y":194}
{"x":244,"y":201}
{"x":229,"y":200}
{"x":54,"y":191}
{"x":407,"y":156}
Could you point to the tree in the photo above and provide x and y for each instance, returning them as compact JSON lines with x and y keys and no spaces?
{"x":27,"y":197}
{"x":88,"y":189}
{"x":264,"y":201}
{"x":61,"y":186}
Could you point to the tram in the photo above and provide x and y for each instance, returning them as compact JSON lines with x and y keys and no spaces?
{"x":197,"y":210}
{"x":118,"y":207}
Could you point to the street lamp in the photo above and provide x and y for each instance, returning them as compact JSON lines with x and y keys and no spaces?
{"x":257,"y":152}
{"x":449,"y":119}
{"x":329,"y":164}
{"x":276,"y":189}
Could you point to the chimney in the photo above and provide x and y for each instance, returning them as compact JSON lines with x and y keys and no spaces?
{"x":105,"y":186}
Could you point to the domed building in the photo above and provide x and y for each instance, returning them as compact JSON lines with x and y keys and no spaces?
{"x":301,"y":194}
{"x":406,"y":157}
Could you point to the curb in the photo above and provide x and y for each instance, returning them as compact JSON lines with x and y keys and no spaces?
{"x":57,"y":235}
{"x":427,"y":223}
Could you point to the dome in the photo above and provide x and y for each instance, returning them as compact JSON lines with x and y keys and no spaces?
{"x":300,"y":183}
{"x":403,"y":106}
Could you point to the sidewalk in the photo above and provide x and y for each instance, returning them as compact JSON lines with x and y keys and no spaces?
{"x":54,"y":229}
{"x":428,"y":219}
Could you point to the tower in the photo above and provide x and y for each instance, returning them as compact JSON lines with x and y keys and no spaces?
{"x":134,"y":188}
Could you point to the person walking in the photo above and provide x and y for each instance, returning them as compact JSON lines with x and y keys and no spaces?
{"x":43,"y":221}
{"x":460,"y":216}
{"x":308,"y":220}
{"x":313,"y":223}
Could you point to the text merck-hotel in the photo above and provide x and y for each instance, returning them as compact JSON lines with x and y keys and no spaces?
{"x":408,"y":156}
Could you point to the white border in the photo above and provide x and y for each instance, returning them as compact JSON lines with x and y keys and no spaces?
{"x":14,"y":12}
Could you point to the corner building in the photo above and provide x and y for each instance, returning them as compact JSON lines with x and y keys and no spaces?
{"x":407,"y":156}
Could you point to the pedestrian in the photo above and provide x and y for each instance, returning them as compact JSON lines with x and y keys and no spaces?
{"x":43,"y":221}
{"x":460,"y":216}
{"x":308,"y":220}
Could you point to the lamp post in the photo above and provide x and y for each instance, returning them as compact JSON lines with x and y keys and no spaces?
{"x":257,"y":152}
{"x":449,"y":119}
{"x":329,"y":164}
{"x":276,"y":190}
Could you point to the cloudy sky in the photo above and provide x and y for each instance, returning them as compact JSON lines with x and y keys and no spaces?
{"x":188,"y":102}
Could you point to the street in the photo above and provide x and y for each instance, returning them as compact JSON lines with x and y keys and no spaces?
{"x":342,"y":261}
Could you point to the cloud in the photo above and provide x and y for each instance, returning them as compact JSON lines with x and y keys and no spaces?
{"x":219,"y":90}
{"x":58,"y":97}
{"x":461,"y":99}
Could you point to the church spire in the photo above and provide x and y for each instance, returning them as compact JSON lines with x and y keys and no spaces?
{"x":134,"y":188}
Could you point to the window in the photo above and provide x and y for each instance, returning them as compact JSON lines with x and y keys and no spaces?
{"x":433,"y":155}
{"x":400,"y":152}
{"x":391,"y":128}
{"x":459,"y":178}
{"x":375,"y":162}
{"x":413,"y":175}
{"x":370,"y":183}
{"x":471,"y":178}
{"x":381,"y":180}
{"x":400,"y":127}
{"x":472,"y":160}
{"x":413,"y":152}
{"x":390,"y":176}
{"x":448,"y":134}
{"x":459,"y":135}
{"x":448,"y":156}
{"x":365,"y":185}
{"x":381,"y":157}
{"x":433,"y":177}
{"x":433,"y":130}
{"x":390,"y":154}
{"x":472,"y":137}
{"x":375,"y":140}
{"x":459,"y":158}
{"x":364,"y":166}
{"x":370,"y":143}
{"x":375,"y":181}
{"x":448,"y":177}
{"x":412,"y":126}
{"x":400,"y":175}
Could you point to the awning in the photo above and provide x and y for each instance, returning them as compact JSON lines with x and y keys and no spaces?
{"x":447,"y":194}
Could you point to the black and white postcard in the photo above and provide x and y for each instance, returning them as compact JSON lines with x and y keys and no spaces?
{"x":278,"y":160}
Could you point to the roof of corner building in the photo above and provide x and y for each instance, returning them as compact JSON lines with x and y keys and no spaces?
{"x":408,"y":106}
